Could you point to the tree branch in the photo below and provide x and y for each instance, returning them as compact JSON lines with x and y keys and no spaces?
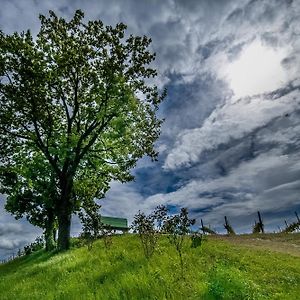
{"x":95,"y":136}
{"x":15,"y":134}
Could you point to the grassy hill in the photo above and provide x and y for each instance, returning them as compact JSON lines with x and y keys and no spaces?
{"x":222,"y":268}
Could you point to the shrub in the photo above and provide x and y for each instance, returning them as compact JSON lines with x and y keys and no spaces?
{"x":38,"y":244}
{"x":91,"y":224}
{"x":160,"y":216}
{"x":177,"y":227}
{"x":145,"y":227}
{"x":149,"y":227}
{"x":197,"y":239}
{"x":256,"y":228}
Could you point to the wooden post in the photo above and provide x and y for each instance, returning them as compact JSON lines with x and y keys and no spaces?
{"x":226,"y":221}
{"x":226,"y":225}
{"x":297,"y":217}
{"x":202,"y":227}
{"x":261,"y":225}
{"x":286,"y":224}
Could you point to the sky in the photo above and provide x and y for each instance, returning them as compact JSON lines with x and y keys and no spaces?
{"x":230,"y":141}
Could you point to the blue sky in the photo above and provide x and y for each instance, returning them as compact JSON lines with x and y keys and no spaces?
{"x":230,"y":141}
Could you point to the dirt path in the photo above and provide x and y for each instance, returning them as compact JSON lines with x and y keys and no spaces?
{"x":284,"y":243}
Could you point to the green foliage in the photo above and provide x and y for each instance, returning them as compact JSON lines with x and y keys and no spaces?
{"x":107,"y":236}
{"x":256,"y":228}
{"x":92,"y":226}
{"x":77,"y":97}
{"x":32,"y":192}
{"x":293,"y":227}
{"x":177,"y":227}
{"x":149,"y":227}
{"x":38,"y":244}
{"x":160,"y":214}
{"x":197,"y":239}
{"x":145,"y":226}
{"x":217,"y":270}
{"x":206,"y":229}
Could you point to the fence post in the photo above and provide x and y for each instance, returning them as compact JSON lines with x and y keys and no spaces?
{"x":286,"y":224}
{"x":261,"y":225}
{"x":202,"y":227}
{"x":297,"y":217}
{"x":226,"y":221}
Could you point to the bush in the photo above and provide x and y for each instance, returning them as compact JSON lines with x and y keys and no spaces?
{"x":91,"y":224}
{"x":149,"y":227}
{"x":144,"y":226}
{"x":93,"y":228}
{"x":177,"y":227}
{"x":256,"y":228}
{"x":197,"y":239}
{"x":38,"y":244}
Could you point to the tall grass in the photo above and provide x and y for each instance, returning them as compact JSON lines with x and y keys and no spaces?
{"x":216,"y":270}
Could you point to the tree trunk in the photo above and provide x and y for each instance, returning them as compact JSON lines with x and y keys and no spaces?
{"x":64,"y":229}
{"x":49,"y":239}
{"x":54,"y":232}
{"x":64,"y":215}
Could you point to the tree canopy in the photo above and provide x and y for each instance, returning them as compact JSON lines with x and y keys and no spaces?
{"x":77,"y":102}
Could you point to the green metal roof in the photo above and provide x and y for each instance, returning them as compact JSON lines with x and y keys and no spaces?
{"x":114,"y":222}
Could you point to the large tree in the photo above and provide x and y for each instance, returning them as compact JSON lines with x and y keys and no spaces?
{"x":80,"y":95}
{"x":32,"y":193}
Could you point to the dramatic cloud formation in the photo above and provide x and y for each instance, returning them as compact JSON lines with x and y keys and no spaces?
{"x":258,"y":69}
{"x":233,"y":120}
{"x":230,"y":142}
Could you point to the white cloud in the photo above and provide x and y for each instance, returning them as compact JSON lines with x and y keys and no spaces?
{"x":121,"y":201}
{"x":14,"y":234}
{"x":233,"y":120}
{"x":257,"y":70}
{"x":268,"y":183}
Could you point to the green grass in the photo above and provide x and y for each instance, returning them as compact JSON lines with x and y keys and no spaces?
{"x":217,"y":270}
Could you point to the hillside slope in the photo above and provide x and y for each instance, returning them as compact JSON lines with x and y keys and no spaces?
{"x":217,"y":270}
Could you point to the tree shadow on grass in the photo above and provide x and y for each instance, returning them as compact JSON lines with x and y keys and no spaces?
{"x":26,"y":261}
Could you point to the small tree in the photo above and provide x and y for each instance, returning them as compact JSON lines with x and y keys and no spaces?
{"x":145,"y":226}
{"x":177,"y":227}
{"x":91,"y":223}
{"x":197,"y":239}
{"x":149,"y":227}
{"x":93,"y":228}
{"x":160,"y":216}
{"x":293,"y":227}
